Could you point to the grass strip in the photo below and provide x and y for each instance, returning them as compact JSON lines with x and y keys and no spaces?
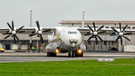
{"x":120,"y":67}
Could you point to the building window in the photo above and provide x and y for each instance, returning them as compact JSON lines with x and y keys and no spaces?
{"x":105,"y":42}
{"x":128,"y":27}
{"x":106,"y":27}
{"x":117,"y":27}
{"x":133,"y":27}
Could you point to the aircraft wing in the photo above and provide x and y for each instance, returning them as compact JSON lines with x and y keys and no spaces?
{"x":95,"y":32}
{"x":48,"y":30}
{"x":106,"y":31}
{"x":28,"y":30}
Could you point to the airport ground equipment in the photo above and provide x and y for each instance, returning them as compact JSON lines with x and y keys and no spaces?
{"x":105,"y":60}
{"x":113,"y":49}
{"x":2,"y":50}
{"x":14,"y":48}
{"x":129,"y":48}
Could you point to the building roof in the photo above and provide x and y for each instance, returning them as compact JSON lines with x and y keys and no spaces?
{"x":105,"y":22}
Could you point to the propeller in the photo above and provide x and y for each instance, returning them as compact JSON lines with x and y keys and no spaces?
{"x":120,"y":34}
{"x":13,"y":32}
{"x":39,"y":32}
{"x":95,"y":33}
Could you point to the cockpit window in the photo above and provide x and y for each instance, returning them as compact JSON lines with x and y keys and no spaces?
{"x":73,"y":32}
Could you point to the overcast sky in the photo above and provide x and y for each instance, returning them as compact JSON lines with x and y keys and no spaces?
{"x":51,"y":12}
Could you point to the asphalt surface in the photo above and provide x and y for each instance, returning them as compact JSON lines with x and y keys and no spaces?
{"x":26,"y":57}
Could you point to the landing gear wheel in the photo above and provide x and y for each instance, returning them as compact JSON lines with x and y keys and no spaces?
{"x":73,"y":54}
{"x":51,"y":54}
{"x":69,"y":54}
{"x":79,"y":55}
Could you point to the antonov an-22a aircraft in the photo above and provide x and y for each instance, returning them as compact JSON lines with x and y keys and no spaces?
{"x":66,"y":39}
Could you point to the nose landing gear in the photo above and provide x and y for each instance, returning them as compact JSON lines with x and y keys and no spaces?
{"x":71,"y":54}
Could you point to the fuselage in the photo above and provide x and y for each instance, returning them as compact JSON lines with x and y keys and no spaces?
{"x":67,"y":38}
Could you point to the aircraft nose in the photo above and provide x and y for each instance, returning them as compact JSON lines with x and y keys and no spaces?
{"x":73,"y":40}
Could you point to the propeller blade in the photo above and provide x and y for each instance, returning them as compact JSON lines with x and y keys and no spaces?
{"x":12,"y":25}
{"x":124,"y":28}
{"x":121,"y":40}
{"x":117,"y":39}
{"x":7,"y":36}
{"x":100,"y":27}
{"x":126,"y":38}
{"x":9,"y":26}
{"x":96,"y":39}
{"x":47,"y":30}
{"x":94,"y":26}
{"x":128,"y":33}
{"x":114,"y":30}
{"x":41,"y":38}
{"x":5,"y":33}
{"x":14,"y":39}
{"x":32,"y":34}
{"x":38,"y":25}
{"x":90,"y":37}
{"x":99,"y":38}
{"x":19,"y":29}
{"x":101,"y":32}
{"x":90,"y":28}
{"x":120,"y":26}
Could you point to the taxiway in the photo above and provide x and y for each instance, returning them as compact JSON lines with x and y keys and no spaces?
{"x":26,"y":57}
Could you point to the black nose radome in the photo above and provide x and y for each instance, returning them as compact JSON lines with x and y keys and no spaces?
{"x":73,"y":41}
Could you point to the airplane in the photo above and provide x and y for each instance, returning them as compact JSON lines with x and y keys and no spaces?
{"x":66,"y":39}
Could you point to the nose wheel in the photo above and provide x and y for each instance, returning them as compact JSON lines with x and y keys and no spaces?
{"x":71,"y":54}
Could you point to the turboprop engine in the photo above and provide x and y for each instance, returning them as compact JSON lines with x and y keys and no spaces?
{"x":52,"y":47}
{"x":83,"y":48}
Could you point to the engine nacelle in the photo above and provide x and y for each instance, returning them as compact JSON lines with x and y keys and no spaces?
{"x":36,"y":29}
{"x":11,"y":30}
{"x":52,"y":47}
{"x":83,"y":47}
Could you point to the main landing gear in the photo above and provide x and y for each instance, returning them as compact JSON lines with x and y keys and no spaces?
{"x":75,"y":54}
{"x":51,"y":54}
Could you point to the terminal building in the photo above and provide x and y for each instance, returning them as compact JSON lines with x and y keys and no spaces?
{"x":8,"y":44}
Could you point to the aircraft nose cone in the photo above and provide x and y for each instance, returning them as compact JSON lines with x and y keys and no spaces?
{"x":73,"y":40}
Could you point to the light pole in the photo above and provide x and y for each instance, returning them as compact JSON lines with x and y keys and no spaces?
{"x":83,"y":18}
{"x":30,"y":26}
